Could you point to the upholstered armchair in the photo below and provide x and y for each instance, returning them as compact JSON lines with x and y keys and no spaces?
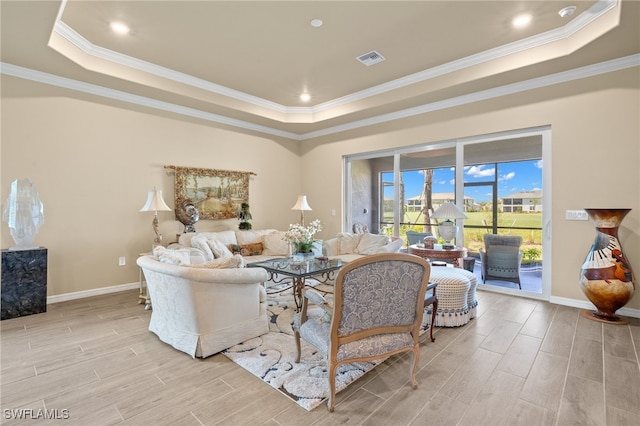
{"x":501,"y":258}
{"x":376,"y":312}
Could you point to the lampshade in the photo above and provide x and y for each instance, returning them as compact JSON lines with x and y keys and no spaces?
{"x":448,"y":211}
{"x":301,"y":204}
{"x":155,"y":203}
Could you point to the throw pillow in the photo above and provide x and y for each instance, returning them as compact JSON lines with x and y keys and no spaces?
{"x":173,"y":257}
{"x":246,"y":249}
{"x":275,"y":244}
{"x":235,"y":261}
{"x":372,"y":243}
{"x":347,"y":243}
{"x":218,"y":248}
{"x":200,"y":242}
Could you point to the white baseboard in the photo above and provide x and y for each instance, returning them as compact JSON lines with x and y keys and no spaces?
{"x":583,"y":304}
{"x":93,"y":292}
{"x":574,"y":303}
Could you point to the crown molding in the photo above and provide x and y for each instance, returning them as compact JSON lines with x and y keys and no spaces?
{"x":535,"y":83}
{"x":67,"y":33}
{"x":92,"y":89}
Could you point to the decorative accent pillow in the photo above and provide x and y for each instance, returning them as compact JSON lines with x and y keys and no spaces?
{"x":218,"y":248}
{"x":200,"y":242}
{"x":347,"y":243}
{"x":275,"y":244}
{"x":235,"y":261}
{"x":372,"y":243}
{"x":246,"y":249}
{"x":173,"y":257}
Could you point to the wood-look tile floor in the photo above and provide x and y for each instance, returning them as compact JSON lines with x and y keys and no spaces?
{"x":520,"y":361}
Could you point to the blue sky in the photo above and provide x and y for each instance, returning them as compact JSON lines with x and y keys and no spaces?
{"x":512,"y":177}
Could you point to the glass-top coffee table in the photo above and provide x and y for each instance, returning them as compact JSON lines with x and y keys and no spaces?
{"x":321,"y":269}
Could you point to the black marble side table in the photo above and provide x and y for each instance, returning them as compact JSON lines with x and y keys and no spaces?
{"x":24,"y":282}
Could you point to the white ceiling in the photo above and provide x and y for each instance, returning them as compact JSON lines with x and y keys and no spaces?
{"x":244,"y":63}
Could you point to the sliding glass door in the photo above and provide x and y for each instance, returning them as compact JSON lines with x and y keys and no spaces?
{"x":497,"y":180}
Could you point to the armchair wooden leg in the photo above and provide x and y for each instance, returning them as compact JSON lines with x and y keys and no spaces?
{"x":332,"y":386}
{"x":414,"y":367}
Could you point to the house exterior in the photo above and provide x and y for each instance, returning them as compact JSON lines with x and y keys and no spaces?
{"x":523,"y":201}
{"x":416,"y":203}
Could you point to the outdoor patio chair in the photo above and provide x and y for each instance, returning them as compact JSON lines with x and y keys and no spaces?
{"x":501,"y":258}
{"x":377,"y":312}
{"x":414,"y":237}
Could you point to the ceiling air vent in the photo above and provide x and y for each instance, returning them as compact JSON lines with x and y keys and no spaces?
{"x":371,"y":58}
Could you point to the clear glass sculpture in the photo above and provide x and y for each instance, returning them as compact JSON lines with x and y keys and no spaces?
{"x":24,"y":213}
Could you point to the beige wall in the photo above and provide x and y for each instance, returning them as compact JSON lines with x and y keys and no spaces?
{"x":94,"y":161}
{"x":595,"y":158}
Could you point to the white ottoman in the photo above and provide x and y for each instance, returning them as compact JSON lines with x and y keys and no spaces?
{"x":456,"y":296}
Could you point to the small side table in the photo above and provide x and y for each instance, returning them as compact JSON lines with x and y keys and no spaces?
{"x":452,"y":255}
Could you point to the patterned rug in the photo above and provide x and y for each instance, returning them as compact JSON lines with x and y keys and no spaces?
{"x":271,"y":357}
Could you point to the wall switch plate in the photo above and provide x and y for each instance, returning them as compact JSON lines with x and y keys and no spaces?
{"x":122,"y":261}
{"x":576,"y":215}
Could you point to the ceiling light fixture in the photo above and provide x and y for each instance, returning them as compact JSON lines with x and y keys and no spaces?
{"x":567,"y":11}
{"x":521,"y":21}
{"x":305,"y":97}
{"x":316,"y":23}
{"x":119,"y":28}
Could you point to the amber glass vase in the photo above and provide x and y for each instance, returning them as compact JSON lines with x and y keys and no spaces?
{"x":606,"y":276}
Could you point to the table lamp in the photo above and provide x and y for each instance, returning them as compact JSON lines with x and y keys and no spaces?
{"x":301,"y":205}
{"x":448,"y":229}
{"x":155,"y":203}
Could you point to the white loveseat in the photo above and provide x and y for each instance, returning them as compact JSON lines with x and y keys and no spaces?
{"x":202,"y":311}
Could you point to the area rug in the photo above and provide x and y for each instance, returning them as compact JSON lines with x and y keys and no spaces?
{"x":271,"y":357}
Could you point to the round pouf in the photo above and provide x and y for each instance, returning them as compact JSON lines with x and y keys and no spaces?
{"x":472,"y":302}
{"x":454,"y":285}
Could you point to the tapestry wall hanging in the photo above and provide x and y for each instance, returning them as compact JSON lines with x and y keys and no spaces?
{"x":217,"y":194}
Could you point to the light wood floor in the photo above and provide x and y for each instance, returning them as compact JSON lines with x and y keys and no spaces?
{"x":520,"y":362}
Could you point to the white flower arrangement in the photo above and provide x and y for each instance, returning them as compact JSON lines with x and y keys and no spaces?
{"x":302,"y":236}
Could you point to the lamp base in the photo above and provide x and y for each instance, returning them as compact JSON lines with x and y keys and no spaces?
{"x":448,"y":247}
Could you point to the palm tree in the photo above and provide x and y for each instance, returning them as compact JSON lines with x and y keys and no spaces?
{"x":427,"y":205}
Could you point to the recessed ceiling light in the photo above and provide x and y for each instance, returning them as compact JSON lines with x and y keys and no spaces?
{"x":305,"y":97}
{"x":316,"y":23}
{"x":567,"y":11}
{"x":119,"y":28}
{"x":521,"y":20}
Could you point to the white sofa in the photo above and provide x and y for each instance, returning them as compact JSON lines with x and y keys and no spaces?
{"x":268,"y":242}
{"x":202,"y":311}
